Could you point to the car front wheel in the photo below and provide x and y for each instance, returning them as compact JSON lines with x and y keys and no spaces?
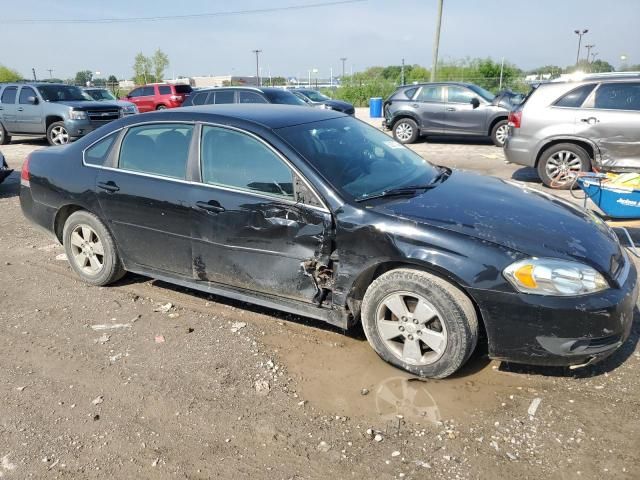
{"x":91,"y":250}
{"x":57,"y":134}
{"x":560,"y":164}
{"x":4,"y":136}
{"x":419,"y":322}
{"x":405,"y":130}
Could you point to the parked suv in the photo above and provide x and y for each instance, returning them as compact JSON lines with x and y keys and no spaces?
{"x":567,"y":127}
{"x":104,"y":95}
{"x":447,"y":108}
{"x":59,"y":112}
{"x":158,"y":96}
{"x":208,"y":96}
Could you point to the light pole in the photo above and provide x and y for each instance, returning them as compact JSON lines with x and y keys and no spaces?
{"x":343,"y":59}
{"x":589,"y":47}
{"x":580,"y":33}
{"x":436,"y":42}
{"x":257,"y":52}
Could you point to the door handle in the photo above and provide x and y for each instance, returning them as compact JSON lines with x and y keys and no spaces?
{"x":210,"y":206}
{"x":20,"y":109}
{"x":590,"y":120}
{"x":451,"y":109}
{"x":415,"y":105}
{"x":108,"y":186}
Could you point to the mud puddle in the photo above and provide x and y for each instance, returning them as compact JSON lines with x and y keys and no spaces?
{"x":332,"y":370}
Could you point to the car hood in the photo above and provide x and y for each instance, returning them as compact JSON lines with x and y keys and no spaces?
{"x":514,"y":216}
{"x":88,"y":105}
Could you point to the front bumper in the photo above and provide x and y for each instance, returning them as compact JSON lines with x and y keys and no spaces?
{"x":558,"y":331}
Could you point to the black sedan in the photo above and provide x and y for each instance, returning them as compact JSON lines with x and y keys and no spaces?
{"x":313,"y":212}
{"x":317,"y":99}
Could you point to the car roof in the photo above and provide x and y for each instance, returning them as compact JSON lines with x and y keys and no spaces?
{"x":463,"y":84}
{"x":233,"y":87}
{"x":272,"y":116}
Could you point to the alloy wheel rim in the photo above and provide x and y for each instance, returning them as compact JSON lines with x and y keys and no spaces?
{"x":411,"y":328}
{"x":87,"y":249}
{"x":501,"y":134}
{"x":404,"y":131}
{"x":59,"y":135}
{"x":563,"y":166}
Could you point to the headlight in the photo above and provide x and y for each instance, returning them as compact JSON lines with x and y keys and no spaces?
{"x":131,"y":109}
{"x":548,"y":276}
{"x":78,"y":115}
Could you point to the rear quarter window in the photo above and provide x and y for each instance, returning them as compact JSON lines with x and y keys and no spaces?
{"x":164,"y":90}
{"x":98,"y":153}
{"x":576,"y":97}
{"x":409,"y":93}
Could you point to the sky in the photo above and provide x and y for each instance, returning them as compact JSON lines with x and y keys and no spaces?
{"x":372,"y":32}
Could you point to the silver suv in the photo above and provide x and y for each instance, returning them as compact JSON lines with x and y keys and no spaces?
{"x":566,"y":127}
{"x":447,"y":108}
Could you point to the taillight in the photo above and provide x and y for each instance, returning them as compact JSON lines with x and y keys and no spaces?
{"x":176,"y":98}
{"x":24,"y":174}
{"x":515,"y":119}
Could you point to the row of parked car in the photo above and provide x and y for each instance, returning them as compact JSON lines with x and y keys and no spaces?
{"x":65,"y":112}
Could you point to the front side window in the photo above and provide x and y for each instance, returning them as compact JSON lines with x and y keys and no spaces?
{"x":431,"y":94}
{"x":251,"y":97}
{"x":576,"y":97}
{"x":157,"y":149}
{"x":62,"y":93}
{"x":164,"y":90}
{"x":233,"y":159}
{"x":618,"y":96}
{"x":222,"y":97}
{"x":459,"y":95}
{"x":98,"y":153}
{"x":25,"y":93}
{"x":136,"y":92}
{"x":9,"y":95}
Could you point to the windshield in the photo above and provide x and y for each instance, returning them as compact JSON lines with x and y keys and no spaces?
{"x":283,"y":97}
{"x":101,"y":94}
{"x":357,"y":159}
{"x":486,"y":94}
{"x":315,"y":96}
{"x":61,"y":93}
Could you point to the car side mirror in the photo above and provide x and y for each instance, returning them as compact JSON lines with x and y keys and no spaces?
{"x":475,"y":102}
{"x":33,"y":100}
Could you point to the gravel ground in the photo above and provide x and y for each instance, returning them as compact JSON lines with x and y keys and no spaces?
{"x":146,"y":380}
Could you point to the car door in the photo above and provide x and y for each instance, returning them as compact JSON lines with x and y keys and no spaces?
{"x":147,"y":98}
{"x":144,"y":197}
{"x":8,"y":109}
{"x":461,"y":118}
{"x":222,"y":97}
{"x":611,"y":118}
{"x":429,"y":103}
{"x":30,"y":111}
{"x":135,"y":97}
{"x":251,"y":228}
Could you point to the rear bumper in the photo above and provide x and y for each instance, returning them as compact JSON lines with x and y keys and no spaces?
{"x":39,"y":214}
{"x":518,"y":150}
{"x":558,"y":331}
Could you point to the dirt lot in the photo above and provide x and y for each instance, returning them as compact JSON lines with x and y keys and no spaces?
{"x":116,"y":383}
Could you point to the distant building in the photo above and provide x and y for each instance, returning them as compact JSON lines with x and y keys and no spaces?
{"x":126,"y":84}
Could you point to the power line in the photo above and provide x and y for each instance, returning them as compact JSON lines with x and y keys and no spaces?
{"x":22,"y":21}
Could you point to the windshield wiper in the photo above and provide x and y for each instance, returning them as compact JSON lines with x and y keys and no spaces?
{"x":408,"y":189}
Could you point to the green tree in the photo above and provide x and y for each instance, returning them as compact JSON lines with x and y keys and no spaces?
{"x":553,"y":70}
{"x":160,"y":62}
{"x":278,"y":81}
{"x":8,"y":75}
{"x":142,"y":67}
{"x":417,"y":74}
{"x":83,"y":77}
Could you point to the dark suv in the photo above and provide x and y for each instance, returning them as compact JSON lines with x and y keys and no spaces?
{"x":208,"y":96}
{"x":447,"y":108}
{"x":59,"y":112}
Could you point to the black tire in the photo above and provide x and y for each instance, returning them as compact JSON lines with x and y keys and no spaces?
{"x":454,"y":310}
{"x":4,"y":136}
{"x":406,"y":131}
{"x":161,"y":107}
{"x":52,"y":134}
{"x":497,"y":133}
{"x":112,"y":269}
{"x":578,"y":158}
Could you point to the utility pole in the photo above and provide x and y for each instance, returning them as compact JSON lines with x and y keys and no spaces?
{"x":501,"y":71}
{"x":589,"y":47}
{"x":402,"y":73}
{"x":33,"y":70}
{"x":343,"y":59}
{"x":436,"y":42}
{"x":580,"y":33}
{"x":50,"y":70}
{"x":257,"y":52}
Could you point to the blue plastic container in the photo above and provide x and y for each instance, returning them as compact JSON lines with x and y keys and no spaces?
{"x":616,"y":202}
{"x":375,"y":107}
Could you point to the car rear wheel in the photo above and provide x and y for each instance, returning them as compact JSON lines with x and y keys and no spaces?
{"x":91,"y":250}
{"x":57,"y":134}
{"x":419,"y":322}
{"x":405,"y":130}
{"x":499,"y":133}
{"x":161,"y":107}
{"x":4,"y":136}
{"x":560,"y":164}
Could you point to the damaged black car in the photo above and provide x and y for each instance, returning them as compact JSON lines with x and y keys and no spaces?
{"x":313,"y":212}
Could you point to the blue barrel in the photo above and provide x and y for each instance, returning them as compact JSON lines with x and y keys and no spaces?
{"x":375,"y":107}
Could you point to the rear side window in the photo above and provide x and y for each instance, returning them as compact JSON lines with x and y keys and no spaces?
{"x":147,"y":91}
{"x":164,"y":90}
{"x":98,"y":153}
{"x":459,"y":95}
{"x":183,"y":88}
{"x":234,"y":159}
{"x":251,"y":97}
{"x":199,"y":99}
{"x":157,"y":149}
{"x":9,"y":95}
{"x":226,"y":96}
{"x":576,"y":97}
{"x":618,"y":96}
{"x":431,"y":94}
